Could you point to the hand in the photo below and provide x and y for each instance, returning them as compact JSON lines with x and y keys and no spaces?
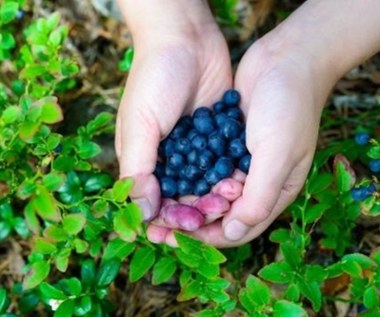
{"x":172,"y":71}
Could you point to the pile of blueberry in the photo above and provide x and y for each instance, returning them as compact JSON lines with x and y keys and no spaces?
{"x":203,"y":149}
{"x":364,"y":191}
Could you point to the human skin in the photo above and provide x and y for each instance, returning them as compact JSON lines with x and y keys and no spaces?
{"x":284,"y":79}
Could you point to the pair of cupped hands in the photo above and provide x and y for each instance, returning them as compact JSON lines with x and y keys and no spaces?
{"x":180,"y":70}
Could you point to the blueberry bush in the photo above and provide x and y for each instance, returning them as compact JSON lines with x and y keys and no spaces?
{"x":82,"y":237}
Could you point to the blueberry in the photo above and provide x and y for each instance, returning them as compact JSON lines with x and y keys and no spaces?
{"x":171,"y":172}
{"x":160,"y":170}
{"x":192,"y":133}
{"x":192,"y":157}
{"x":167,"y":147}
{"x":58,"y":148}
{"x":374,"y":166}
{"x":244,"y":163}
{"x":176,"y":160}
{"x":184,"y":187}
{"x":212,"y":177}
{"x":201,"y":187}
{"x":231,"y":129}
{"x":231,"y":97}
{"x":236,"y":148}
{"x":217,"y":143}
{"x":219,"y":107}
{"x":181,"y":128}
{"x":204,"y":125}
{"x":362,"y":138}
{"x":202,"y":112}
{"x":182,"y":173}
{"x":243,"y":136}
{"x":206,"y":159}
{"x":359,"y":194}
{"x":168,"y":187}
{"x":234,"y":113}
{"x":192,"y":172}
{"x":183,"y":145}
{"x":224,"y":166}
{"x":370,"y":189}
{"x":20,"y":15}
{"x":199,"y":142}
{"x":220,"y":119}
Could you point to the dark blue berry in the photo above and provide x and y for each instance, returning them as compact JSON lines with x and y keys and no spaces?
{"x":192,"y":157}
{"x":231,"y":97}
{"x":362,"y":138}
{"x":160,"y":170}
{"x":244,"y":163}
{"x":192,"y":133}
{"x":184,"y":187}
{"x":243,"y":136}
{"x":20,"y":15}
{"x":236,"y":148}
{"x":199,"y":142}
{"x":202,"y":112}
{"x":58,"y":148}
{"x":206,"y":159}
{"x":183,"y":145}
{"x":370,"y":189}
{"x":204,"y":125}
{"x":201,"y":187}
{"x":192,"y":172}
{"x":231,"y":129}
{"x":221,"y":119}
{"x":181,"y":128}
{"x":374,"y":166}
{"x":219,"y":107}
{"x":216,"y":143}
{"x":212,"y":177}
{"x":224,"y":166}
{"x":182,"y":173}
{"x":176,"y":160}
{"x":167,"y":147}
{"x":234,"y":113}
{"x":168,"y":187}
{"x":171,"y":172}
{"x":359,"y":194}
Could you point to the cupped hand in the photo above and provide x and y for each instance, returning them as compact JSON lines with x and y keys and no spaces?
{"x":171,"y":73}
{"x":282,"y":98}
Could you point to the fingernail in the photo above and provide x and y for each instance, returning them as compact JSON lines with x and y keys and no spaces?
{"x":146,"y":207}
{"x":235,"y":230}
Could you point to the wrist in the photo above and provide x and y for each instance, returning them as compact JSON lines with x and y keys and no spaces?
{"x":167,"y":21}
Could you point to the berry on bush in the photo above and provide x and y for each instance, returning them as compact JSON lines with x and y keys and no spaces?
{"x":374,"y":166}
{"x":362,"y":138}
{"x":203,"y":149}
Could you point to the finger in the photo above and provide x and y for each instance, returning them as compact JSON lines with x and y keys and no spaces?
{"x":267,"y":175}
{"x":212,"y":206}
{"x":228,"y":188}
{"x":157,"y":234}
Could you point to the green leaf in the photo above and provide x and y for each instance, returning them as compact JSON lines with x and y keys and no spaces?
{"x":364,"y":261}
{"x":31,"y":218}
{"x":74,"y":223}
{"x":30,"y":72}
{"x":88,"y":149}
{"x":39,"y":271}
{"x":212,"y":255}
{"x":46,"y":206}
{"x":319,"y":182}
{"x":11,"y":114}
{"x":83,"y":305}
{"x":62,"y":260}
{"x":88,"y":272}
{"x":352,"y":268}
{"x":50,"y":291}
{"x":97,"y":181}
{"x":121,"y":189}
{"x":374,"y":152}
{"x":101,"y":121}
{"x":7,"y":41}
{"x":284,"y":308}
{"x":8,"y":11}
{"x":122,"y":227}
{"x":314,"y":272}
{"x":208,"y":270}
{"x":5,"y":230}
{"x":292,"y":254}
{"x":51,"y":113}
{"x":190,"y":260}
{"x":53,"y":180}
{"x":66,"y":309}
{"x":4,"y":302}
{"x":312,"y":292}
{"x":371,"y":297}
{"x":277,"y":272}
{"x":280,"y":235}
{"x":118,"y":248}
{"x":72,"y":286}
{"x":315,"y":212}
{"x":344,"y":175}
{"x":255,"y":294}
{"x":126,"y":63}
{"x":188,"y":244}
{"x":163,"y":270}
{"x":292,"y":292}
{"x":28,"y":129}
{"x":55,"y":234}
{"x":107,"y":272}
{"x":43,"y":246}
{"x":80,"y":245}
{"x":141,"y":262}
{"x":190,"y":290}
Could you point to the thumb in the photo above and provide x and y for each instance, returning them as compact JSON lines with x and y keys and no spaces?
{"x":262,"y":189}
